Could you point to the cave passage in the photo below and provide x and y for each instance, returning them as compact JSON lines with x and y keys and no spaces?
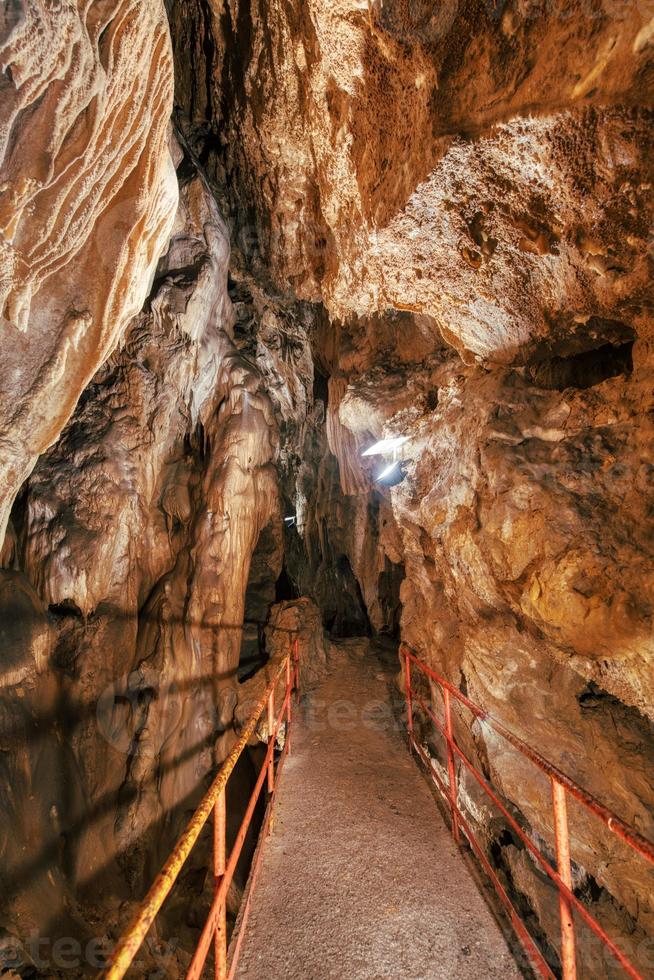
{"x":361,"y":869}
{"x":327,"y":342}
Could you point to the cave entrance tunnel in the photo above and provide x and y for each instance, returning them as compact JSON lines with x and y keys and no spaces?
{"x":344,"y":608}
{"x":351,"y":610}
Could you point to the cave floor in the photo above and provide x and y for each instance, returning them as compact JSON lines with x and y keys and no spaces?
{"x":360,"y":876}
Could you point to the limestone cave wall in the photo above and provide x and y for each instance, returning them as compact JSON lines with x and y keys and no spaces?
{"x":88,"y":199}
{"x":130,"y":550}
{"x":467,"y":192}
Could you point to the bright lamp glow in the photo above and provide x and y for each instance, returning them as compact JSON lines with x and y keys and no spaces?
{"x":387,"y":472}
{"x":385,"y":446}
{"x":394,"y":474}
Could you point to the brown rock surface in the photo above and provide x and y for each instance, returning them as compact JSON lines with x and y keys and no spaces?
{"x":485,"y":165}
{"x":476,"y":178}
{"x":164,"y":476}
{"x":87,"y":198}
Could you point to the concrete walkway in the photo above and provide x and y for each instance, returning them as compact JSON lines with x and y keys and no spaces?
{"x":360,"y":878}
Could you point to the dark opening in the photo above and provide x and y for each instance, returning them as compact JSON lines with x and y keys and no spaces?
{"x":196,"y":443}
{"x":320,"y":387}
{"x":285,"y":589}
{"x":18,"y":516}
{"x":260,"y":595}
{"x":390,"y":580}
{"x":584,"y":370}
{"x":344,"y":608}
{"x":64,"y":609}
{"x":592,"y":696}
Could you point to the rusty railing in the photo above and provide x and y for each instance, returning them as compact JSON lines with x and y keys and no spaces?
{"x":561,"y":785}
{"x":214,"y":932}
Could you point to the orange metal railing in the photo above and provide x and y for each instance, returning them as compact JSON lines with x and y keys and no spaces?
{"x":224,"y":865}
{"x":562,"y":786}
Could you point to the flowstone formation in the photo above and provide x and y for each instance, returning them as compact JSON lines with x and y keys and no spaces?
{"x":382,"y":219}
{"x":120,"y":678}
{"x":87,"y":199}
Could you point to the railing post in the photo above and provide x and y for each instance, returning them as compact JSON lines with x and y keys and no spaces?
{"x":562,"y":841}
{"x":451,"y":769}
{"x":289,"y":691}
{"x":271,"y":735}
{"x":409,"y":700}
{"x":219,"y":866}
{"x":296,"y":658}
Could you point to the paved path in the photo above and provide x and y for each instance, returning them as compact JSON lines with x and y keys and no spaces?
{"x":360,"y":878}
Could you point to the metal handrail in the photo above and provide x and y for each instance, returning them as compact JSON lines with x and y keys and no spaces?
{"x":223,"y":866}
{"x":561,"y":785}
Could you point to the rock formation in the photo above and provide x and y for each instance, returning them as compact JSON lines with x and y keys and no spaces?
{"x":87,"y":200}
{"x":127,"y":664}
{"x":468,"y":193}
{"x":388,"y":218}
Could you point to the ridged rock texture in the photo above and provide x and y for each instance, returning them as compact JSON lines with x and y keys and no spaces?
{"x":122,"y":698}
{"x":87,"y":198}
{"x":388,"y":218}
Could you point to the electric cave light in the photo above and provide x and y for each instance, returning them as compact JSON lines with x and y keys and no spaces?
{"x":393,"y":474}
{"x":385,"y":446}
{"x":386,"y":472}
